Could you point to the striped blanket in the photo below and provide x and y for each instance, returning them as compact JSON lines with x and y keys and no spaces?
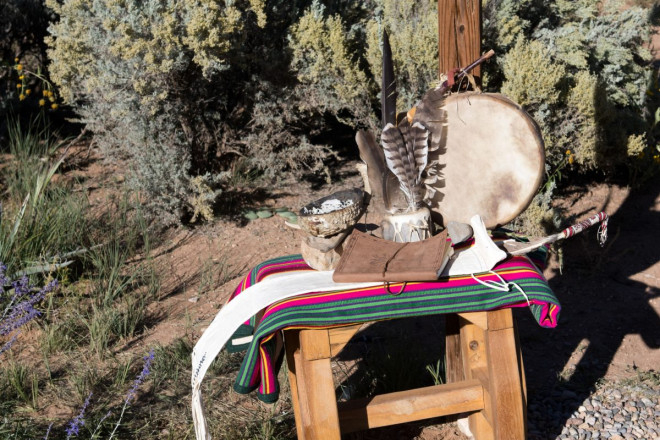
{"x":261,"y":339}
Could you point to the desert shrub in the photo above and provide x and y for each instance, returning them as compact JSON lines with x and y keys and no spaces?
{"x":580,"y":68}
{"x":576,"y":67}
{"x":326,"y":68}
{"x":413,"y":33}
{"x":191,"y":92}
{"x":182,"y":90}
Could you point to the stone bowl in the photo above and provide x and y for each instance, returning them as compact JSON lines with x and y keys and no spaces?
{"x":332,"y":214}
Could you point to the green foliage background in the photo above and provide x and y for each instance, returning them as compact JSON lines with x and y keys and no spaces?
{"x":195,"y":92}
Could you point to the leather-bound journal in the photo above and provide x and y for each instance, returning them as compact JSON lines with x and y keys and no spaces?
{"x":367,"y":258}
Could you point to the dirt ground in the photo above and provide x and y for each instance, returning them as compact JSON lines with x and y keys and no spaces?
{"x":609,"y":328}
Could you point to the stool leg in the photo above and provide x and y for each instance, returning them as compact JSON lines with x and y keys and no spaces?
{"x":491,"y":353}
{"x":292,"y":347}
{"x":521,"y":371}
{"x":506,"y":385}
{"x":475,"y":366}
{"x":453,"y":360}
{"x":312,"y":387}
{"x":320,"y":401}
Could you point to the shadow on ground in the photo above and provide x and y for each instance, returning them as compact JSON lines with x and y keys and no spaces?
{"x":601,"y":305}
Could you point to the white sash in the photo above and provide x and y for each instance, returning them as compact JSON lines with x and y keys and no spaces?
{"x":274,"y":288}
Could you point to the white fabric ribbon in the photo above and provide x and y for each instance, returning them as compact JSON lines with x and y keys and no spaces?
{"x":274,"y":288}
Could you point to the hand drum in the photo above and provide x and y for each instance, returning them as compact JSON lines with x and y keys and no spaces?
{"x":490,"y":162}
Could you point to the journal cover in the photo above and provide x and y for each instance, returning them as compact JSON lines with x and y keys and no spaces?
{"x":368,"y":258}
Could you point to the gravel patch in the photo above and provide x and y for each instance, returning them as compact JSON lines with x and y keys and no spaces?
{"x":615,"y":411}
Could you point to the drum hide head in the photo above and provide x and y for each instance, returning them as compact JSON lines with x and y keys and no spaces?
{"x":490,"y":162}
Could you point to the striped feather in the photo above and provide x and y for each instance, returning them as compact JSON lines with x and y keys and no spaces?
{"x":418,"y":145}
{"x":396,"y":156}
{"x":406,"y":152}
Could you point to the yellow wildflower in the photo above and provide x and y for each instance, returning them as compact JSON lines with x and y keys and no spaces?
{"x":51,"y":98}
{"x":54,"y":106}
{"x":45,"y":92}
{"x":22,"y":77}
{"x":16,"y":60}
{"x":28,"y":91}
{"x":18,"y":86}
{"x":21,"y":96}
{"x":19,"y":67}
{"x":42,"y":102}
{"x":568,"y":152}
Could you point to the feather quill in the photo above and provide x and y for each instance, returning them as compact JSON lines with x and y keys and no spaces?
{"x":388,"y":84}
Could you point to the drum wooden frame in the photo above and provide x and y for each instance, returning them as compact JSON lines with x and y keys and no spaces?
{"x":485,"y":379}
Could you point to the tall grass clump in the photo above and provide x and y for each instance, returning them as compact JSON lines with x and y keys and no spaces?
{"x":39,"y":222}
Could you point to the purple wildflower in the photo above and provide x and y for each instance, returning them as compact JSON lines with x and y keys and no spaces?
{"x":4,"y":281}
{"x":9,"y":343}
{"x":146,"y":369}
{"x":74,"y":425}
{"x":21,"y":306}
{"x":132,"y":393}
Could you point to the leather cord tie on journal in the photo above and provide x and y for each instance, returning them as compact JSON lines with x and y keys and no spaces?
{"x":386,"y":284}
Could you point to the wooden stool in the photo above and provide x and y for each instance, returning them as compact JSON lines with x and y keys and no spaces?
{"x":484,"y":374}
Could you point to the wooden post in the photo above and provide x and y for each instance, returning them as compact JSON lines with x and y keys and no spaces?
{"x":459,"y":34}
{"x":459,"y":43}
